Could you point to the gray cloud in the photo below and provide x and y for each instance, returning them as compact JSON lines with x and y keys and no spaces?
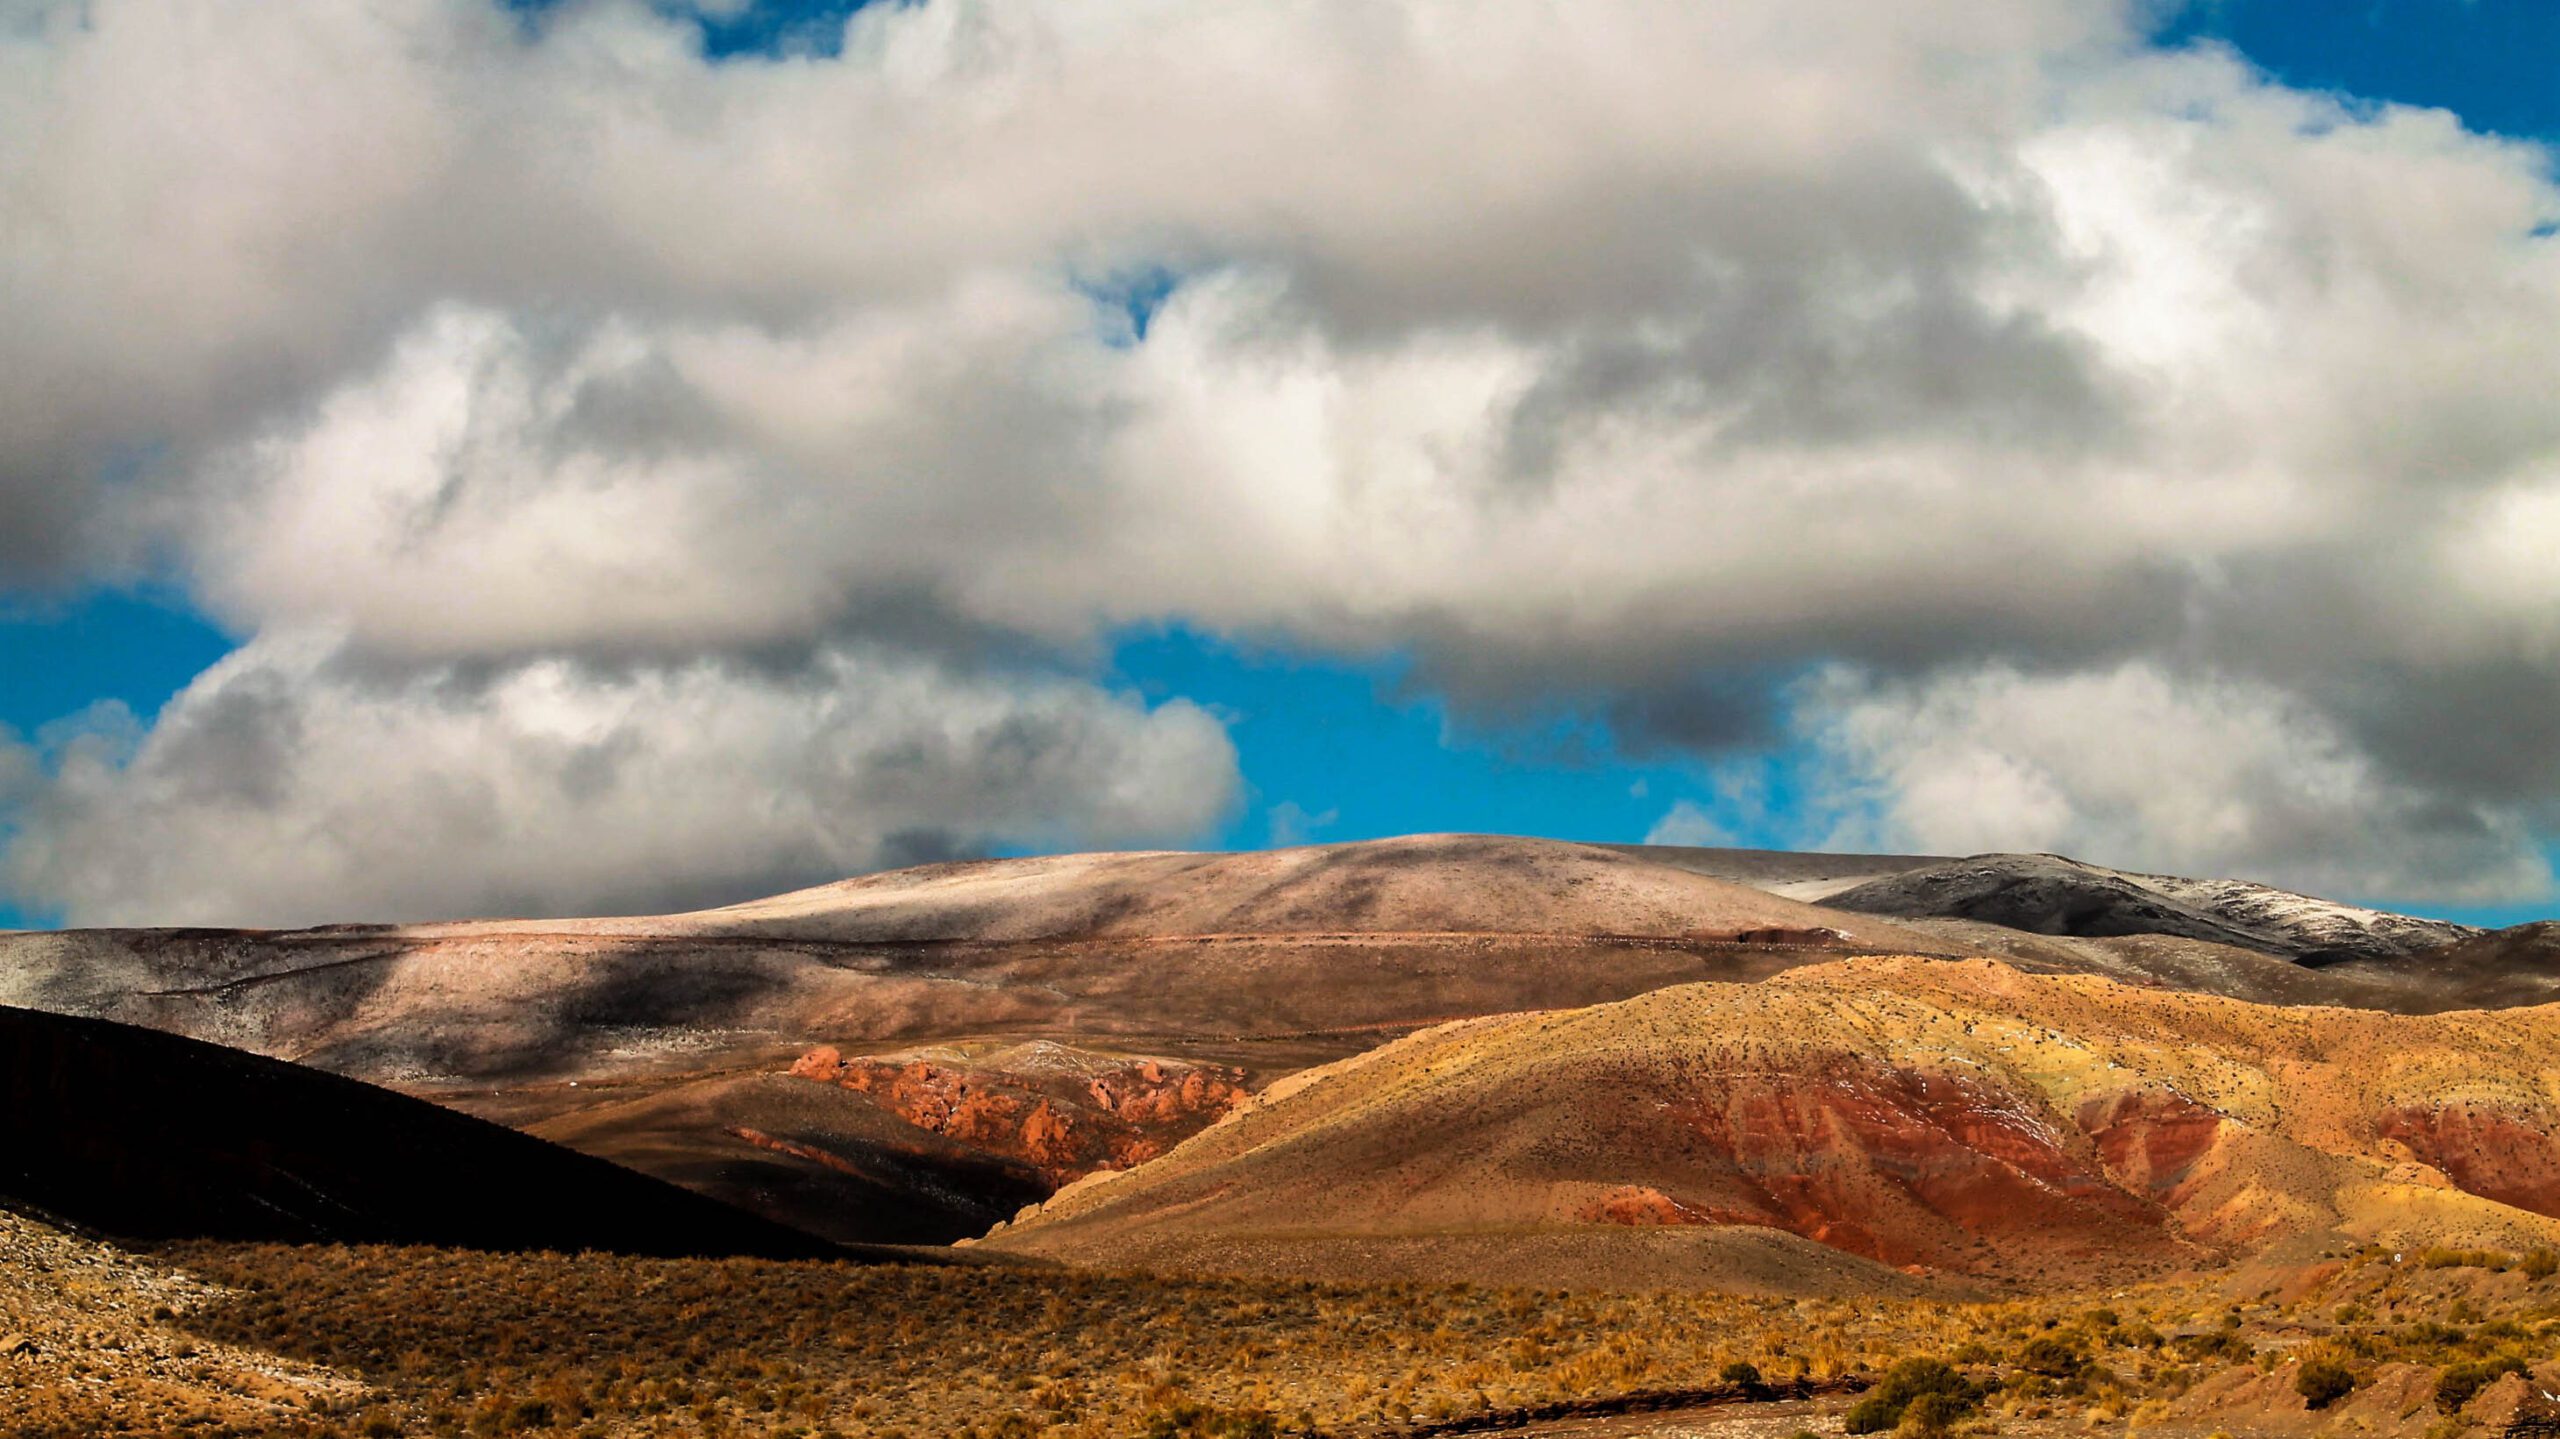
{"x":1612,"y":355}
{"x":289,"y":786}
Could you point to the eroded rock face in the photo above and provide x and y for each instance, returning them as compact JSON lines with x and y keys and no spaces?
{"x":1913,"y":1167}
{"x":2150,"y":1140}
{"x":2484,"y":1149}
{"x":1066,"y":1112}
{"x":1640,"y":1204}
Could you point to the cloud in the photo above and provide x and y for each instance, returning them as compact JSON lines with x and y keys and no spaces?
{"x":1687,"y":823}
{"x":1291,"y":824}
{"x":293,"y":784}
{"x":2143,"y":768}
{"x":1630,"y":356}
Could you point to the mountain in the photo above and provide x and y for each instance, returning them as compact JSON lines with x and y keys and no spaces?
{"x":908,"y":1057}
{"x":2487,"y":969}
{"x":1329,"y":938}
{"x":144,"y":1135}
{"x":667,"y":1043}
{"x":1870,"y":1123}
{"x":2048,"y":894}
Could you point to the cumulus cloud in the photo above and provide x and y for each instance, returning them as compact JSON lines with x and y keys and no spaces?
{"x":292,"y":783}
{"x":1624,"y":354}
{"x":2189,"y":774}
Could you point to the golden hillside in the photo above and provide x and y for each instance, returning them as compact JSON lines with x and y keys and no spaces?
{"x":1913,"y":1120}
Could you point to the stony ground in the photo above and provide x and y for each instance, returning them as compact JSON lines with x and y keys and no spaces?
{"x":89,"y":1344}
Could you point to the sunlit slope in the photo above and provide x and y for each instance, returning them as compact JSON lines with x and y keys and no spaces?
{"x":1945,"y":1118}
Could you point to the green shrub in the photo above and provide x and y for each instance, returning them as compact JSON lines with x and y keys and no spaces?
{"x":2051,"y":1357}
{"x":2323,"y":1382}
{"x":2223,"y":1344}
{"x":1885,"y":1406}
{"x":1933,"y":1414}
{"x":2458,"y":1383}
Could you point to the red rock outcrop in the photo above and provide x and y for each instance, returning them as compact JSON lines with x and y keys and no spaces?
{"x":2486,"y":1150}
{"x":1912,"y":1166}
{"x":1640,"y":1204}
{"x":1067,"y":1113}
{"x":2150,"y":1140}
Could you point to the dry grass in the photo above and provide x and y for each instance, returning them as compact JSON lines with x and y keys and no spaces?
{"x":420,"y":1341}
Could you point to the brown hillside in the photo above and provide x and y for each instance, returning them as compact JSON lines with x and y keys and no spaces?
{"x":1963,"y":1120}
{"x":663,"y":1042}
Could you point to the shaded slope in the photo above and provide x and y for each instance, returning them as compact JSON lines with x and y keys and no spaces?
{"x":829,"y":1163}
{"x":150,"y":1136}
{"x":1958,"y":1118}
{"x":1796,"y":874}
{"x":2048,"y":894}
{"x":2491,"y":970}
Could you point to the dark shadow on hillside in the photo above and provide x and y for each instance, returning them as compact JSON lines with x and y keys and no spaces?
{"x":143,"y":1135}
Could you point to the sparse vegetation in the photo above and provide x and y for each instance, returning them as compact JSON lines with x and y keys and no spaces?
{"x":2441,"y":1258}
{"x":429,"y":1342}
{"x":1928,"y":1395}
{"x":2459,"y":1383}
{"x":2323,"y":1382}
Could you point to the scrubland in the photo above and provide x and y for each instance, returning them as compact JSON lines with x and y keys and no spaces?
{"x":419,"y":1341}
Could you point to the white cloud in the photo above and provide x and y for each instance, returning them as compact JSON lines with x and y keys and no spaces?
{"x":289,"y":784}
{"x":1291,"y":824}
{"x":1686,"y":823}
{"x":2137,"y":767}
{"x":1593,"y":351}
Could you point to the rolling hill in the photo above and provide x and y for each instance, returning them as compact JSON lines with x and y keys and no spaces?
{"x":1870,"y":1123}
{"x":1048,"y":989}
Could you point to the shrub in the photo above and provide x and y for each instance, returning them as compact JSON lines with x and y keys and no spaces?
{"x":2323,"y":1382}
{"x":1932,"y":1414}
{"x":1741,"y":1372}
{"x":2052,"y":1358}
{"x":1885,"y":1406}
{"x":2458,"y":1383}
{"x":2541,"y":1264}
{"x":2222,"y":1344}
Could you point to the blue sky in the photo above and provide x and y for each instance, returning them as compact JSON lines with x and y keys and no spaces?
{"x":1335,"y":748}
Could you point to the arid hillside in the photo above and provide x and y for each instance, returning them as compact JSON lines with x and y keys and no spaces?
{"x":1890,"y":1122}
{"x":1337,"y":937}
{"x":991,"y":1026}
{"x":670,"y":1043}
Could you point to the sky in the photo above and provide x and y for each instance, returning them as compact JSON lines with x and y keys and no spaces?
{"x":599,"y":456}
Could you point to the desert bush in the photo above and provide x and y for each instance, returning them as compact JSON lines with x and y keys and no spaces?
{"x":2323,"y":1382}
{"x":2540,"y":1264}
{"x":2459,"y":1383}
{"x":2226,"y":1345}
{"x":2052,"y":1357}
{"x":2438,"y":1257}
{"x":1742,"y":1372}
{"x":1885,"y":1406}
{"x":1933,"y":1414}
